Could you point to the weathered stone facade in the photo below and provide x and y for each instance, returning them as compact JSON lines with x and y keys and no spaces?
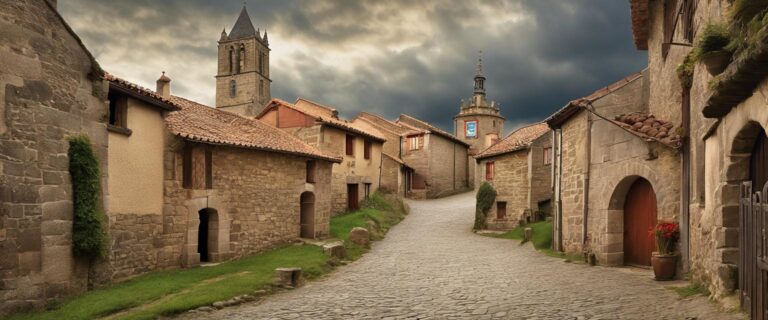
{"x":617,"y":158}
{"x":50,"y":88}
{"x":481,"y":114}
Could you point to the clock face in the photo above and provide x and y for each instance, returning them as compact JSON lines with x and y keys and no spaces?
{"x":470,"y":128}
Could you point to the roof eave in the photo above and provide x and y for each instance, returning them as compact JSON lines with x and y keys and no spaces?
{"x":150,"y":100}
{"x":232,"y":145}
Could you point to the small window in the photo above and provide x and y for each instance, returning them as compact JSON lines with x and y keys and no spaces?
{"x":367,"y":149}
{"x":118,"y":110}
{"x":547,"y":155}
{"x":208,"y":169}
{"x":367,"y":190}
{"x":489,"y":170}
{"x":231,"y":55}
{"x":186,"y":167}
{"x":350,"y":145}
{"x":413,"y":143}
{"x":501,"y":210}
{"x":311,"y":171}
{"x":261,"y":62}
{"x":261,"y":88}
{"x":241,"y":59}
{"x":232,"y":88}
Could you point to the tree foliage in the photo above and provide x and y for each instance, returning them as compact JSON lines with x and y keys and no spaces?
{"x":89,"y":238}
{"x":486,"y":196}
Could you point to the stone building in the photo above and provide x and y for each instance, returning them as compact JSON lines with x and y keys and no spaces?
{"x":358,"y":175}
{"x":186,"y":184}
{"x":439,"y":159}
{"x":617,"y":172}
{"x":519,"y":168}
{"x":50,"y":88}
{"x":396,"y":175}
{"x":724,"y":123}
{"x":243,"y":85}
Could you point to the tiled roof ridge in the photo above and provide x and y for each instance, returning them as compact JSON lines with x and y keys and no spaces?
{"x":136,"y":88}
{"x":515,"y":141}
{"x":294,"y":145}
{"x":315,"y":104}
{"x":435,"y":129}
{"x":331,"y":121}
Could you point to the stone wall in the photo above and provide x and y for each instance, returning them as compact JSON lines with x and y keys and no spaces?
{"x":354,"y":169}
{"x":512,"y":184}
{"x":391,"y":177}
{"x":540,"y":174}
{"x":572,"y":181}
{"x":46,"y":94}
{"x":447,"y":173}
{"x":487,"y":124}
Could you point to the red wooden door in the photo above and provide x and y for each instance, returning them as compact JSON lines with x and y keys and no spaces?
{"x":352,"y":197}
{"x":639,"y":219}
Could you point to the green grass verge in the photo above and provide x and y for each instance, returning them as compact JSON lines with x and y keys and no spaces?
{"x":541,"y":238}
{"x":690,"y":290}
{"x":376,"y":209}
{"x":172,"y":292}
{"x":186,"y":289}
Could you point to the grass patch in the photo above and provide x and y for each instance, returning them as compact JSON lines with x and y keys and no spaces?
{"x":186,"y":289}
{"x":691,"y":290}
{"x":377,"y":214}
{"x":541,"y":238}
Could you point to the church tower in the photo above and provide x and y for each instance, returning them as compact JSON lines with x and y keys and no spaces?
{"x":242,"y":82}
{"x":478,"y":123}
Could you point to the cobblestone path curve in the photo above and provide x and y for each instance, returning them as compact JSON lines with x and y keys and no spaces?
{"x":432,"y":266}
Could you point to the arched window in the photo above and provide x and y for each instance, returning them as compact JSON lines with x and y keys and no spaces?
{"x":241,"y":59}
{"x":261,"y":88}
{"x":231,"y":55}
{"x":261,"y":62}
{"x":232,"y":88}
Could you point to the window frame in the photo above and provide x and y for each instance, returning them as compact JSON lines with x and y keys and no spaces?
{"x":367,"y":146}
{"x":501,"y":213}
{"x":232,"y":88}
{"x":311,"y":171}
{"x":490,"y":170}
{"x":414,"y":143}
{"x":547,"y":155}
{"x":349,"y":146}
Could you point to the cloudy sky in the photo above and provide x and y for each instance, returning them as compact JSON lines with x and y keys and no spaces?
{"x":389,"y":57}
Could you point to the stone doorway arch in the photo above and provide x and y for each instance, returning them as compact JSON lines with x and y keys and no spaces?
{"x":218,"y":231}
{"x":640,"y":211}
{"x":307,"y":215}
{"x":207,"y":234}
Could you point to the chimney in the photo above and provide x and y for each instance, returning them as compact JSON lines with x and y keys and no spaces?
{"x":164,"y":86}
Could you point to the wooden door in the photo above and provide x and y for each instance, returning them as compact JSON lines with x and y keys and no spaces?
{"x":753,"y":235}
{"x":639,"y":220}
{"x":202,"y":235}
{"x":307,"y":215}
{"x":352,"y":197}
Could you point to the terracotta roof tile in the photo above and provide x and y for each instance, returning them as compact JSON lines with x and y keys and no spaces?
{"x":648,"y":127}
{"x":423,"y":125}
{"x":326,"y":116}
{"x":140,"y":91}
{"x":640,"y":23}
{"x":518,"y":140}
{"x":201,"y":123}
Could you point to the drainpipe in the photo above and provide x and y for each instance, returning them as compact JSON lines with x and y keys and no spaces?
{"x":558,"y":189}
{"x":587,"y":160}
{"x":685,"y":195}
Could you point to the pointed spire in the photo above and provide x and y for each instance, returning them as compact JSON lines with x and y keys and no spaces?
{"x":243,"y":28}
{"x":480,"y":62}
{"x":223,"y":35}
{"x":266,"y":40}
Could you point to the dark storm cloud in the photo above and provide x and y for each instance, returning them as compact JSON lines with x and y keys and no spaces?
{"x":389,"y":57}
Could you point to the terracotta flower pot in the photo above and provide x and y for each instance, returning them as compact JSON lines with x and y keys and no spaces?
{"x":716,"y":61}
{"x":664,"y":266}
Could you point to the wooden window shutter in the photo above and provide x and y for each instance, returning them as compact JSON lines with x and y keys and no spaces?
{"x":688,"y":13}
{"x":208,"y":169}
{"x":350,"y":148}
{"x":489,"y":168}
{"x":670,"y":21}
{"x":367,"y":149}
{"x":186,"y":167}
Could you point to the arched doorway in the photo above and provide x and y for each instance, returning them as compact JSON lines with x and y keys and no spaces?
{"x":639,"y":219}
{"x":307,"y":215}
{"x":207,"y":233}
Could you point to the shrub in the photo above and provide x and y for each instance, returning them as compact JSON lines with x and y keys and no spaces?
{"x":685,"y":70}
{"x":714,"y":38}
{"x":486,"y":195}
{"x":89,"y":239}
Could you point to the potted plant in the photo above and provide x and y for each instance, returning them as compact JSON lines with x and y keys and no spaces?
{"x":712,"y":50}
{"x":664,"y":260}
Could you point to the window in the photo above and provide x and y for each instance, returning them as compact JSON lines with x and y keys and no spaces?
{"x":231,"y":55}
{"x":413,"y":143}
{"x":367,"y":149}
{"x":501,"y":210}
{"x":489,"y":170}
{"x":311,"y":171}
{"x":197,"y":168}
{"x":350,"y":148}
{"x":241,"y":59}
{"x":547,"y":155}
{"x":367,"y":190}
{"x":261,"y":62}
{"x":232,"y":88}
{"x":261,"y":88}
{"x":470,"y":129}
{"x":118,"y":110}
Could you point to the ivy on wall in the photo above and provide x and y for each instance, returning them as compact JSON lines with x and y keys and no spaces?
{"x":486,"y":196}
{"x":89,"y":237}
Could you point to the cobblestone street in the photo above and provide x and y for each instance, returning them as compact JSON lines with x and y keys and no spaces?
{"x":432,"y":266}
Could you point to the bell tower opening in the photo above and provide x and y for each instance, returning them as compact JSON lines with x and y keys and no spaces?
{"x":243,"y":59}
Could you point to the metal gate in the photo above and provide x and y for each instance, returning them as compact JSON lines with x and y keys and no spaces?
{"x":753,"y":251}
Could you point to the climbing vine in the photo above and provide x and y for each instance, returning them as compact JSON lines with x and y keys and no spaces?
{"x":486,"y":195}
{"x":89,"y":238}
